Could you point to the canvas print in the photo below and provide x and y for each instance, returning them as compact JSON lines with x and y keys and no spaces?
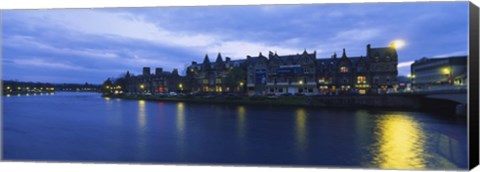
{"x":361,"y":85}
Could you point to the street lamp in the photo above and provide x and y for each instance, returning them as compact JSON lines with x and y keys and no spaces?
{"x":300,"y":82}
{"x":398,"y":43}
{"x":142,"y":86}
{"x":241,"y":83}
{"x":180,"y":86}
{"x":446,"y":71}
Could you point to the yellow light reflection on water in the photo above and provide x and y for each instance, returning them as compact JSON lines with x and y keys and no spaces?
{"x":107,"y":98}
{"x":141,"y":114}
{"x":301,"y":132}
{"x":180,"y":117}
{"x":401,"y":143}
{"x":241,"y":121}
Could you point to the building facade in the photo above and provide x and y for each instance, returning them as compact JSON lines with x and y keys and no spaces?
{"x":274,"y":74}
{"x":219,"y":76}
{"x":431,"y":73}
{"x":305,"y":74}
{"x":148,"y":83}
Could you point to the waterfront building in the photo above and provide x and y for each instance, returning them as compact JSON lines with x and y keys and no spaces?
{"x":278,"y":74}
{"x":305,"y":74}
{"x":219,"y":76}
{"x":148,"y":83}
{"x":438,"y":73}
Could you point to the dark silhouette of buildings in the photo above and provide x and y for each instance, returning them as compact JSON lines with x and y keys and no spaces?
{"x":275,"y":74}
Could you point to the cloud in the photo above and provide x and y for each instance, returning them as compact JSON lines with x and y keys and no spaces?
{"x":20,"y":42}
{"x":240,"y":49}
{"x":405,"y":64}
{"x":455,"y":53}
{"x":40,"y":62}
{"x":125,"y":24}
{"x":358,"y":34}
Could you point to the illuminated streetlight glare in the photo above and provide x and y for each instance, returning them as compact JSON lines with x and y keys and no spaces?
{"x":398,"y":43}
{"x":446,"y":71}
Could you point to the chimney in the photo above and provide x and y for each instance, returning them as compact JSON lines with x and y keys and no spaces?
{"x":175,"y":71}
{"x":146,"y":71}
{"x":158,"y":71}
{"x":368,"y":50}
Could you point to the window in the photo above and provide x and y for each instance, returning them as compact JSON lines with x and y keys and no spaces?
{"x":321,"y":80}
{"x":388,"y":58}
{"x":361,"y":79}
{"x":343,"y":69}
{"x":205,"y":81}
{"x":218,"y":81}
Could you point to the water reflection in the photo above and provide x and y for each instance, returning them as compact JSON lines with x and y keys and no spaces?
{"x":241,"y":122}
{"x":401,"y":143}
{"x":180,"y":118}
{"x":141,"y":114}
{"x":181,"y":131}
{"x":301,"y":132}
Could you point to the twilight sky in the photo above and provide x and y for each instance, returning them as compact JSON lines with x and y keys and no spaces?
{"x":90,"y":45}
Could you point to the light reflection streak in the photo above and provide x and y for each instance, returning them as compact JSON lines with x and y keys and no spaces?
{"x":180,"y":118}
{"x":181,"y":130}
{"x":301,"y":132}
{"x":141,"y":114}
{"x":241,"y":122}
{"x":401,"y":143}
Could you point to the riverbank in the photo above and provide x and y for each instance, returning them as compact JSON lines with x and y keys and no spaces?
{"x":26,"y":93}
{"x":396,"y":102}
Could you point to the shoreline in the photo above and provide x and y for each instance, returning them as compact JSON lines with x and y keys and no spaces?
{"x":369,"y":102}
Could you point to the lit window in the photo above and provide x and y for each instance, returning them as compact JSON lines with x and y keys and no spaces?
{"x":361,"y":79}
{"x":321,"y":80}
{"x":205,"y":81}
{"x":219,"y":81}
{"x":343,"y":69}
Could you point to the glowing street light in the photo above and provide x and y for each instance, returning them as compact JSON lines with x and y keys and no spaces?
{"x":241,"y":83}
{"x":398,"y":43}
{"x":8,"y":87}
{"x":446,"y":71}
{"x":142,"y":86}
{"x":300,"y":82}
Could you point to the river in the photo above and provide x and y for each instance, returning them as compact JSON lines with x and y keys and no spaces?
{"x":85,"y":127}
